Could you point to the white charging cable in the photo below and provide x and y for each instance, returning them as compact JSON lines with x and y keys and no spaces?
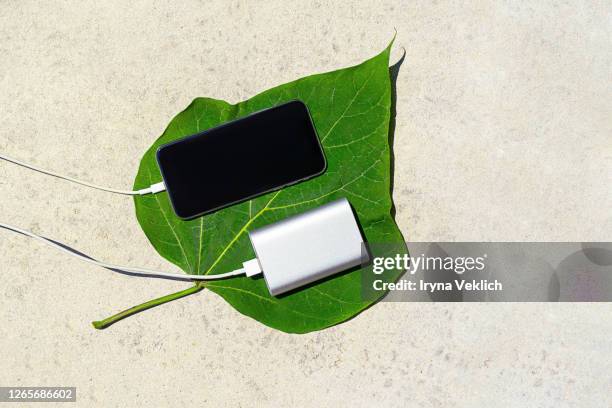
{"x":249,"y":268}
{"x":155,"y":188}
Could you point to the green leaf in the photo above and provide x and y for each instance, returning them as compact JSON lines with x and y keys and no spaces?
{"x":351,"y":111}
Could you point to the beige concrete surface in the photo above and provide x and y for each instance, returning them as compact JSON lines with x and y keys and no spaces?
{"x":503,"y":133}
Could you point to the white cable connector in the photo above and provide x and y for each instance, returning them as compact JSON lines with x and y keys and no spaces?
{"x":250,"y":268}
{"x":155,"y":188}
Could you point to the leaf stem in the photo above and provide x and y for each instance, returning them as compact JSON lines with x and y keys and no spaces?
{"x":103,"y":324}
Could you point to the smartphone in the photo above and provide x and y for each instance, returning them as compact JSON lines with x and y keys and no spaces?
{"x":241,"y":159}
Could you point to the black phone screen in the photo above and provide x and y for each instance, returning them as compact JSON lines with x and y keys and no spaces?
{"x":241,"y":159}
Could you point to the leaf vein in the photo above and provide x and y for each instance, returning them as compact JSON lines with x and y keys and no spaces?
{"x":269,"y":301}
{"x":161,"y":208}
{"x":240,"y":232}
{"x":348,"y":107}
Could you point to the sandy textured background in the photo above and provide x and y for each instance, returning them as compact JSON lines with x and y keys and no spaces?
{"x":503,"y":133}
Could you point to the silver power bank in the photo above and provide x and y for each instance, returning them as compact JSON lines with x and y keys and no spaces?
{"x":309,"y":246}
